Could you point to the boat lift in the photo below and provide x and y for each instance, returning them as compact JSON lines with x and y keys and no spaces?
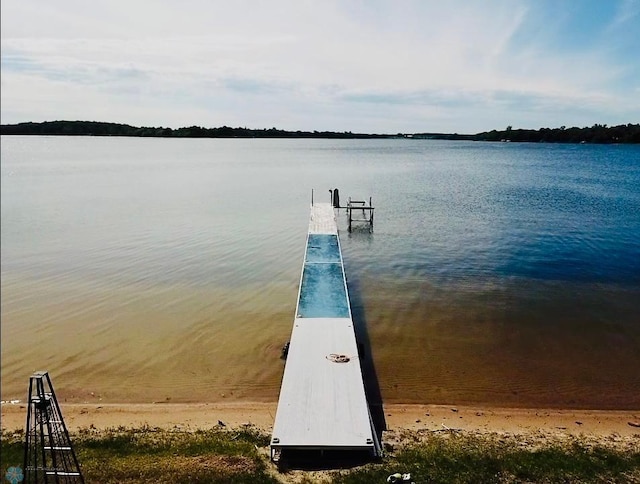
{"x":357,"y":210}
{"x":363,"y":213}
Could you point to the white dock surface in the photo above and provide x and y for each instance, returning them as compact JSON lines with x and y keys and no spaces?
{"x":322,"y":402}
{"x":323,"y":219}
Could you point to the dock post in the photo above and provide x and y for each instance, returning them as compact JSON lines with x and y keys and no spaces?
{"x":370,"y":216}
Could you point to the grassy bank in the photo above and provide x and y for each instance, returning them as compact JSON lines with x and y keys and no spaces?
{"x":146,"y":455}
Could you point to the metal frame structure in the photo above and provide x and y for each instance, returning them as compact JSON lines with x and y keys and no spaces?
{"x":366,"y":212}
{"x":48,"y":454}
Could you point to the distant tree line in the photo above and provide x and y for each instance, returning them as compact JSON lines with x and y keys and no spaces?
{"x":598,"y":133}
{"x":93,"y":128}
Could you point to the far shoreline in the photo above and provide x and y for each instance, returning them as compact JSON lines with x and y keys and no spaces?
{"x":596,"y":134}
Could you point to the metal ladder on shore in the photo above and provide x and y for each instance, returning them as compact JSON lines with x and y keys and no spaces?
{"x":48,"y":453}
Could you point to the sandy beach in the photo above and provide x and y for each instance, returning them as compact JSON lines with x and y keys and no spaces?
{"x":406,"y":425}
{"x":398,"y":417}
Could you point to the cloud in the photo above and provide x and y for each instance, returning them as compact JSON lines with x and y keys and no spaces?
{"x":375,"y":66}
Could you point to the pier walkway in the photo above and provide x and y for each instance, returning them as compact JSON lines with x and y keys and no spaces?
{"x":322,"y":403}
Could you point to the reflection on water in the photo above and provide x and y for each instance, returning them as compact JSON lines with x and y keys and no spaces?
{"x":167,"y":270}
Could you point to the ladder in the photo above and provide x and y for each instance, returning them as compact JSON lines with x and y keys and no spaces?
{"x":48,"y":453}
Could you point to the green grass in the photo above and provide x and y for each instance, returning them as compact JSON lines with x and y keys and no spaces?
{"x":146,"y":455}
{"x":149,"y":455}
{"x":463,"y":458}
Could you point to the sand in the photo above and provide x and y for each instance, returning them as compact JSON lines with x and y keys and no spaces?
{"x":398,"y":417}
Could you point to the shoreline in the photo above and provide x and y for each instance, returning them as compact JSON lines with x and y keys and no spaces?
{"x":398,"y":417}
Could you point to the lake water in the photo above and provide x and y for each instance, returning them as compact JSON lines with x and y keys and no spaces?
{"x":156,"y":270}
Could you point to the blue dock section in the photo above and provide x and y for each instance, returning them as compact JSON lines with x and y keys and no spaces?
{"x":322,"y":402}
{"x":322,"y":290}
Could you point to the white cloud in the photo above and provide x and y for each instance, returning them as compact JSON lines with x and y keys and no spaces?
{"x":382,"y":66}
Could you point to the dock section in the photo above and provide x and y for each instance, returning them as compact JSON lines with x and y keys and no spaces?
{"x":322,"y":404}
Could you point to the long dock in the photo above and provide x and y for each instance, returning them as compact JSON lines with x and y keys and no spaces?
{"x":322,"y":404}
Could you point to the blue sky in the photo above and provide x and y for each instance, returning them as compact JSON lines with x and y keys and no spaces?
{"x":344,"y":65}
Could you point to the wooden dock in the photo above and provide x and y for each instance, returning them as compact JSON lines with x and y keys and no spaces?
{"x":322,"y":403}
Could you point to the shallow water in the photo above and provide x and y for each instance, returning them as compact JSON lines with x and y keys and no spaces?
{"x":167,"y":270}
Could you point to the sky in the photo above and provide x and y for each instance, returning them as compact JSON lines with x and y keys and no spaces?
{"x":367,"y":66}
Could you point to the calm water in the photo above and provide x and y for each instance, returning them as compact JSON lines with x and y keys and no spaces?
{"x":167,"y":270}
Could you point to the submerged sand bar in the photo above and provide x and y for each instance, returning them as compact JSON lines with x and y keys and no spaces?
{"x":322,"y":401}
